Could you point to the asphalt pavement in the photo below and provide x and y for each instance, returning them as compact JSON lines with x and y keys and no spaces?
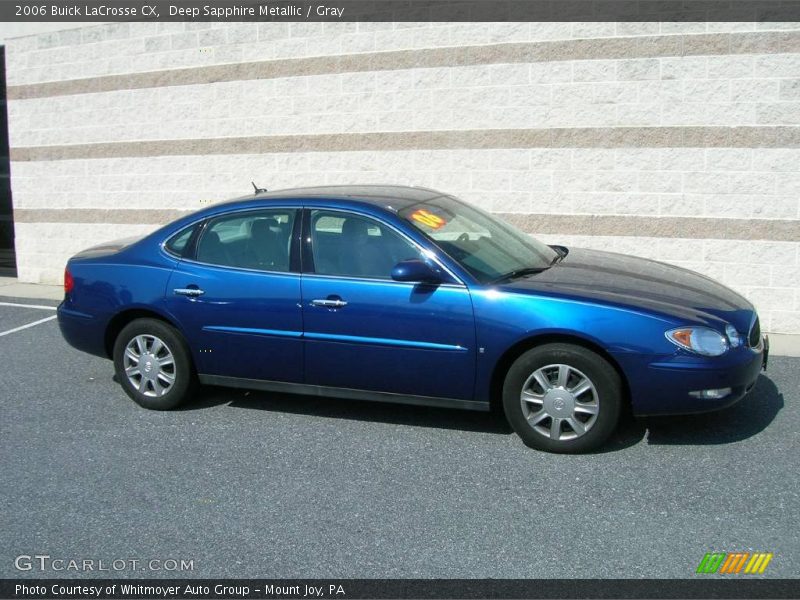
{"x":247,"y":484}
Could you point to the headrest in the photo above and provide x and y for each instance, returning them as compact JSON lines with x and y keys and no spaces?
{"x":355,"y":228}
{"x":262,"y":227}
{"x":212,"y":237}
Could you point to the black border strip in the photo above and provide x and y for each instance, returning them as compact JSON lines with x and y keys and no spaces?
{"x":425,"y":10}
{"x":733,"y":587}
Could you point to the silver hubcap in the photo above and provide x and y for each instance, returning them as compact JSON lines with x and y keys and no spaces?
{"x":559,"y":402}
{"x":149,"y":365}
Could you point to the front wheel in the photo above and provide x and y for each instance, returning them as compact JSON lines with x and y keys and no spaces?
{"x":153,"y":364}
{"x":562,"y":398}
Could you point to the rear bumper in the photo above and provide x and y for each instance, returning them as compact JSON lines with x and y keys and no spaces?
{"x":665,"y":386}
{"x":82,"y":331}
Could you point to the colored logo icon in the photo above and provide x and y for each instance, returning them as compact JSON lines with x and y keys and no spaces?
{"x":735,"y":562}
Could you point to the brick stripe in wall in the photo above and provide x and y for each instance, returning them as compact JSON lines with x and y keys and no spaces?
{"x":579,"y":137}
{"x":784,"y":230}
{"x":121,"y":216}
{"x":779,"y":230}
{"x":712,"y":44}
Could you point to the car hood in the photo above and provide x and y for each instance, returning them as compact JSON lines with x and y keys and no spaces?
{"x":639,"y":283}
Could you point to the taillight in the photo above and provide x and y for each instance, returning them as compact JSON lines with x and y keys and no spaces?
{"x":69,"y":283}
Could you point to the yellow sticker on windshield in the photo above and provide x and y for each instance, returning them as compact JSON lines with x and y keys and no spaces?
{"x":428,"y":219}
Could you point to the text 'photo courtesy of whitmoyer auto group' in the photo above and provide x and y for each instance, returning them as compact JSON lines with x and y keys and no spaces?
{"x":398,"y":299}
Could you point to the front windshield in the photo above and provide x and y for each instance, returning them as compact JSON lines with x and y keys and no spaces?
{"x":484,"y":245}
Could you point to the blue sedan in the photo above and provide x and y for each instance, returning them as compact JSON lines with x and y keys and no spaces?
{"x":409,"y":295}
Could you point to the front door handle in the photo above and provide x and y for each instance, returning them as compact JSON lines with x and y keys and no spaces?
{"x":191,"y":292}
{"x":329,"y":303}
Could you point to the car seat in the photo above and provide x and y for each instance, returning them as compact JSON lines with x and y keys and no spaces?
{"x":211,"y":250}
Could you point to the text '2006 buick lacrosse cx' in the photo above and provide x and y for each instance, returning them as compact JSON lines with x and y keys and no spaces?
{"x":409,"y":295}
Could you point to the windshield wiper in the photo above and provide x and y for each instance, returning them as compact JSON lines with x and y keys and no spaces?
{"x":561,"y":252}
{"x":517,"y":273}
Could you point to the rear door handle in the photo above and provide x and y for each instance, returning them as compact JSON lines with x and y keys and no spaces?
{"x":191,"y":292}
{"x":329,"y":303}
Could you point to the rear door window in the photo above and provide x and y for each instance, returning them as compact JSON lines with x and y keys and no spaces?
{"x":258,"y":240}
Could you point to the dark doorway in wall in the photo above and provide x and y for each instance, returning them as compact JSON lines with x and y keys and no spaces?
{"x":8,"y":261}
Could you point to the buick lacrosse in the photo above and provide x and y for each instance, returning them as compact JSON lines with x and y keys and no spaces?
{"x":408,"y":295}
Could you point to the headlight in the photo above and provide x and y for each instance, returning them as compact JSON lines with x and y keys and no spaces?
{"x":700,"y":340}
{"x":733,"y":336}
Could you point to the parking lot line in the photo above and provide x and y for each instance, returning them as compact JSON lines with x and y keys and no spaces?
{"x":40,"y":306}
{"x":28,"y":325}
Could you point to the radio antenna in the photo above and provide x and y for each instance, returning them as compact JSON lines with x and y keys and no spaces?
{"x":257,"y":189}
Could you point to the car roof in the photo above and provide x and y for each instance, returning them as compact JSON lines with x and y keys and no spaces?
{"x":390,"y":197}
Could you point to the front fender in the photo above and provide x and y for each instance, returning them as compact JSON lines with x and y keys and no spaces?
{"x":506,"y":320}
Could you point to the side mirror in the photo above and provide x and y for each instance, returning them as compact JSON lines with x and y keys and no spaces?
{"x":416,"y":271}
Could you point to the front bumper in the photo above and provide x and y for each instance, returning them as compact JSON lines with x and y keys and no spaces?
{"x":665,"y":386}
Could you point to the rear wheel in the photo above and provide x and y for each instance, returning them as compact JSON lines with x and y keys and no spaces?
{"x":153,"y":364}
{"x":562,"y":398}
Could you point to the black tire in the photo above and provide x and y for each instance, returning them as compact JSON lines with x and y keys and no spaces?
{"x":607,"y":397}
{"x":185,"y":380}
